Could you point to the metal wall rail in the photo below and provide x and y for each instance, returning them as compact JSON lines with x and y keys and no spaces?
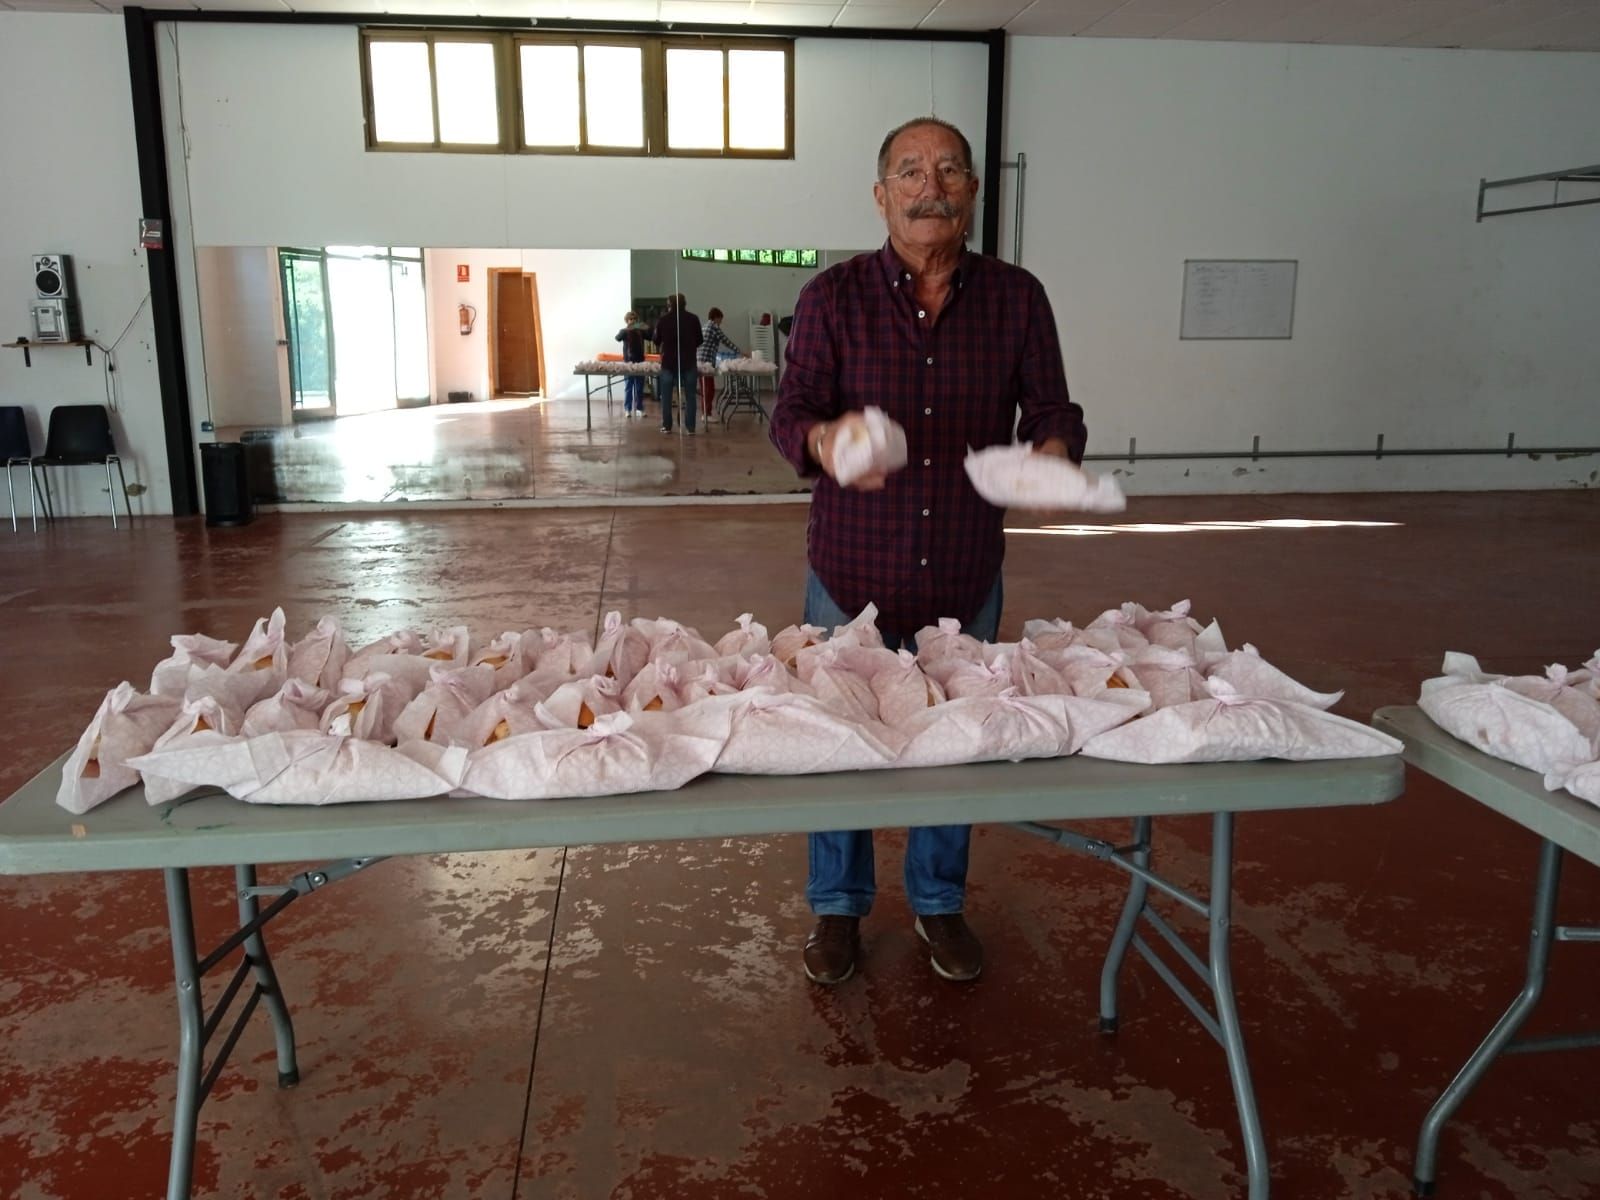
{"x":1256,"y":453}
{"x":1589,"y":175}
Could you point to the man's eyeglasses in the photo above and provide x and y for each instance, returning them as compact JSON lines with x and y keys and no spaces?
{"x":909,"y":183}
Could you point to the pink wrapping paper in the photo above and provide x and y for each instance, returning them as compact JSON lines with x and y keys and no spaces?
{"x":749,"y":638}
{"x":319,"y":657}
{"x":1252,"y":675}
{"x":126,"y":725}
{"x":296,"y":705}
{"x":439,"y":711}
{"x":190,"y":651}
{"x":1228,"y":727}
{"x":621,"y":653}
{"x":787,"y":733}
{"x":1010,"y":727}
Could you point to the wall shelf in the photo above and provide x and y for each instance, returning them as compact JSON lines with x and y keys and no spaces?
{"x":1584,"y":175}
{"x":28,"y":348}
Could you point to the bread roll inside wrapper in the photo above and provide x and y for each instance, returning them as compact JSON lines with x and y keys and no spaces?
{"x":621,"y":653}
{"x":366,"y":708}
{"x":1539,"y":723}
{"x":903,"y":691}
{"x":298,"y":767}
{"x":787,"y":643}
{"x":126,"y":724}
{"x":1011,"y":727}
{"x":1228,"y":727}
{"x":620,"y":753}
{"x":945,"y":642}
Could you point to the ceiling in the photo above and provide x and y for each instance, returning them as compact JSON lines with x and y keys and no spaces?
{"x":1465,"y":24}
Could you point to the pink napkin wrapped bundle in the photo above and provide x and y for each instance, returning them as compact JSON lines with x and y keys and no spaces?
{"x":874,"y":446}
{"x":320,"y":656}
{"x":1173,"y":627}
{"x":410,"y":659}
{"x":945,"y":642}
{"x":556,"y":653}
{"x":791,"y":733}
{"x":201,"y":721}
{"x":749,"y":638}
{"x":1170,"y":675}
{"x":1016,"y":477}
{"x":578,"y":704}
{"x":190,"y":652}
{"x":672,"y":642}
{"x":1228,"y":727}
{"x":621,"y":653}
{"x":298,"y":766}
{"x":438,"y":711}
{"x":1113,"y":630}
{"x":1252,"y":675}
{"x":1050,"y":636}
{"x":620,"y":753}
{"x":1538,"y":723}
{"x":261,"y":665}
{"x":126,"y":724}
{"x":669,"y":686}
{"x":504,"y":714}
{"x":787,"y":643}
{"x":1089,"y":670}
{"x":296,"y":705}
{"x":903,"y":691}
{"x":1010,"y":727}
{"x":366,"y":708}
{"x":1583,"y":781}
{"x":504,"y":655}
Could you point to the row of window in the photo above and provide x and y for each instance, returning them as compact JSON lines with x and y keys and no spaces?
{"x":555,"y":94}
{"x":763,"y":258}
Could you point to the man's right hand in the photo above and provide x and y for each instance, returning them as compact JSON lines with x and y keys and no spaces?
{"x":823,"y":451}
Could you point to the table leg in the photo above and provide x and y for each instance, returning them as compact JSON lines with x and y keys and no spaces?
{"x":1539,"y":939}
{"x":1221,"y":905}
{"x":191,"y":1041}
{"x":255,"y":948}
{"x":1138,"y":890}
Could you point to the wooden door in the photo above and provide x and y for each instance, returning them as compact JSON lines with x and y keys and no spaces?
{"x":516,"y":347}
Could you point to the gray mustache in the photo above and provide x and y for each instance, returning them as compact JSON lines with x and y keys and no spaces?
{"x":931,"y":208}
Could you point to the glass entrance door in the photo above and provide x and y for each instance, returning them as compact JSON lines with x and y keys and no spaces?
{"x":309,"y":332}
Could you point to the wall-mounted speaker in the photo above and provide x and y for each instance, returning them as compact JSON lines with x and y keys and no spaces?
{"x":52,"y":277}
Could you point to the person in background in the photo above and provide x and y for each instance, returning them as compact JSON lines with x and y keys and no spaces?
{"x":677,"y":334}
{"x":954,"y":346}
{"x":712,"y":341}
{"x":632,"y":335}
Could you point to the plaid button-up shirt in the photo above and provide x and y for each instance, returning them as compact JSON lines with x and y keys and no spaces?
{"x":927,"y":545}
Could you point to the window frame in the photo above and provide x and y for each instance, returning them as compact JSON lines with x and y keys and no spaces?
{"x":431,"y":37}
{"x":508,"y":90}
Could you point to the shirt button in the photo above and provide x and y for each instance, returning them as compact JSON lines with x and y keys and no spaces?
{"x":922,"y":312}
{"x":896,"y":283}
{"x":924,"y":512}
{"x":927,"y":462}
{"x":930,"y":362}
{"x":924,"y":562}
{"x":927,"y":412}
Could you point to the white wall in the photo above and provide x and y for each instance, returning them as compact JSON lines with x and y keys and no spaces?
{"x":274,"y":122}
{"x":582,"y":296}
{"x":241,"y":318}
{"x":71,"y":184}
{"x":1411,"y":319}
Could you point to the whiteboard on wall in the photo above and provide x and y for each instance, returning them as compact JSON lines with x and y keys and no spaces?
{"x":1238,"y":298}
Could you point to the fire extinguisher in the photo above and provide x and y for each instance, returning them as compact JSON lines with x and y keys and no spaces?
{"x":468,"y":315}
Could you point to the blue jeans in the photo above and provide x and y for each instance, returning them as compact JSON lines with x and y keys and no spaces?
{"x":685,"y":380}
{"x":841,"y":880}
{"x":633,"y":393}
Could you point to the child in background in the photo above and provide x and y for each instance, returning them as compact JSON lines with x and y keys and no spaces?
{"x":632,"y":335}
{"x":712,"y":340}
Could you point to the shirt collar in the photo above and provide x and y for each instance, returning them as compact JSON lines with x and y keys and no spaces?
{"x":895,"y":272}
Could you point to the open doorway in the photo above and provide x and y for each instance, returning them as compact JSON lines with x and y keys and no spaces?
{"x":516,"y":341}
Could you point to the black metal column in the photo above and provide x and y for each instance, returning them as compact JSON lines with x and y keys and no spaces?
{"x":994,"y":141}
{"x":151,"y":146}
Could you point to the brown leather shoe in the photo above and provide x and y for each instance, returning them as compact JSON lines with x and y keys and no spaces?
{"x":954,"y":950}
{"x":832,"y":948}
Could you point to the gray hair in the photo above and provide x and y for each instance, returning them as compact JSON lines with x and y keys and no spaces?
{"x":888,"y":141}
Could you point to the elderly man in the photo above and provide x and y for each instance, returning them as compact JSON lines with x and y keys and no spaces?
{"x":951,"y":345}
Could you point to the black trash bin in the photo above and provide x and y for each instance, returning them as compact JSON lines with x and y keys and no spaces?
{"x":226,"y":484}
{"x":258,"y":460}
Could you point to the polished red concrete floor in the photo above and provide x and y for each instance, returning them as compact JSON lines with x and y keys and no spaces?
{"x":631,"y":1021}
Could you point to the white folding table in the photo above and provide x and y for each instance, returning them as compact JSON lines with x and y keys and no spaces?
{"x":211,"y":829}
{"x":1564,"y":824}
